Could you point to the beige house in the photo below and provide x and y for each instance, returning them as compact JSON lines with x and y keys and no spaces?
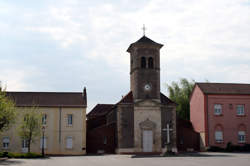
{"x":63,"y":117}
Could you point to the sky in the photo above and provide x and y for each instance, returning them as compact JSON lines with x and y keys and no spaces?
{"x":62,"y":45}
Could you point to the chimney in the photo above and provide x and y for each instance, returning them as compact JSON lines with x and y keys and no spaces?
{"x":85,"y":95}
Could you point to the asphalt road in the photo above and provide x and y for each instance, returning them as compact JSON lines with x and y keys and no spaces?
{"x":201,"y":159}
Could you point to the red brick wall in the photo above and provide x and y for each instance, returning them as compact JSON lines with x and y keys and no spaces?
{"x":197,"y":115}
{"x":95,"y":139}
{"x":229,"y":120}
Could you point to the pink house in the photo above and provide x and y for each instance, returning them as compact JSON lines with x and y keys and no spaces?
{"x":220,"y":112}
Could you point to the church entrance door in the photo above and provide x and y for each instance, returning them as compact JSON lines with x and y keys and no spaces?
{"x":147,"y":140}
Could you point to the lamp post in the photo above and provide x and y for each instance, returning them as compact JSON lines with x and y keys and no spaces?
{"x":43,"y":130}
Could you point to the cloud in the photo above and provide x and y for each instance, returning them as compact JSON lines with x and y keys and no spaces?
{"x":70,"y":40}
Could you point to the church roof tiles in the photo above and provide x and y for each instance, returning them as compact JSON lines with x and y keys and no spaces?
{"x":100,"y":110}
{"x":129,"y":99}
{"x":104,"y":109}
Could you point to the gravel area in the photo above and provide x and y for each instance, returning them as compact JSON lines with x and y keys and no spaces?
{"x":198,"y":159}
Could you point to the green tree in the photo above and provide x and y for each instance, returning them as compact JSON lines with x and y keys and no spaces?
{"x":180,"y":93}
{"x":7,"y":111}
{"x":30,"y":126}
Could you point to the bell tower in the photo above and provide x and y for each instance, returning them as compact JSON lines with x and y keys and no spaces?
{"x":145,"y":69}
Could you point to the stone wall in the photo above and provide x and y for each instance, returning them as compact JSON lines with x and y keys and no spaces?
{"x":139,"y":77}
{"x":143,"y":111}
{"x":168,"y":115}
{"x":125,"y":125}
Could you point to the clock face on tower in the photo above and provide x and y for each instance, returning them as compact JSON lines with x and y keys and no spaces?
{"x":147,"y":87}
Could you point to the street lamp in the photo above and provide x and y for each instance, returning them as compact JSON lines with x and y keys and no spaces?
{"x":43,"y":130}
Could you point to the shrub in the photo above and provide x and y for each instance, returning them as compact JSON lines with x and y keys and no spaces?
{"x":33,"y":155}
{"x":246,"y":147}
{"x":20,"y":155}
{"x":215,"y":149}
{"x":230,"y":148}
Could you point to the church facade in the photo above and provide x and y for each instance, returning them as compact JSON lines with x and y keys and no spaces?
{"x":144,"y":121}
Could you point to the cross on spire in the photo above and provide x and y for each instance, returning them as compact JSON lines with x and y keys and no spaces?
{"x":144,"y":29}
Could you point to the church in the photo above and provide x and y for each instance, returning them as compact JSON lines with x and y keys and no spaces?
{"x":144,"y":120}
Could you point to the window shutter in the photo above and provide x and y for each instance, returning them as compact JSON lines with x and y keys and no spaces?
{"x":241,"y":133}
{"x":69,"y":143}
{"x":45,"y":143}
{"x":217,"y":109}
{"x":241,"y":136}
{"x":6,"y":140}
{"x":70,"y":119}
{"x":218,"y":136}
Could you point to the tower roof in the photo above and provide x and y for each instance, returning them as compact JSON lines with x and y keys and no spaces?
{"x":144,"y":40}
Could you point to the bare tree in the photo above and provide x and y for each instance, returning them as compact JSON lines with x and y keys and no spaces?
{"x":30,"y":127}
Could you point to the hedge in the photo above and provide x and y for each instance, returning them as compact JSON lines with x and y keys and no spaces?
{"x":20,"y":155}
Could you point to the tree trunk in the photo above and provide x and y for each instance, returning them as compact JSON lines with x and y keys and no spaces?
{"x":29,"y":146}
{"x":29,"y":141}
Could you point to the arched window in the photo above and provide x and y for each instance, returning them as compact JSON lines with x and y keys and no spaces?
{"x":143,"y":62}
{"x":218,"y":134}
{"x":151,"y":63}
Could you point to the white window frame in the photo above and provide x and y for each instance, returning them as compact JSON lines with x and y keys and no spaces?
{"x":44,"y":119}
{"x":24,"y":143}
{"x":45,"y":142}
{"x":70,"y":119}
{"x":69,"y":142}
{"x":6,"y":142}
{"x":217,"y":109}
{"x":218,"y":136}
{"x":240,"y":108}
{"x":241,"y":136}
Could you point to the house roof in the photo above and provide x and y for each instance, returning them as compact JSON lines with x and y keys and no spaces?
{"x":224,"y":88}
{"x":49,"y":99}
{"x":100,"y":110}
{"x":144,"y":40}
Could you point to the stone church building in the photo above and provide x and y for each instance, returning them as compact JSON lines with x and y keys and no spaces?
{"x":144,"y":121}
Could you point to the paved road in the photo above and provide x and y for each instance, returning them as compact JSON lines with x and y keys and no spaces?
{"x":203,"y":159}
